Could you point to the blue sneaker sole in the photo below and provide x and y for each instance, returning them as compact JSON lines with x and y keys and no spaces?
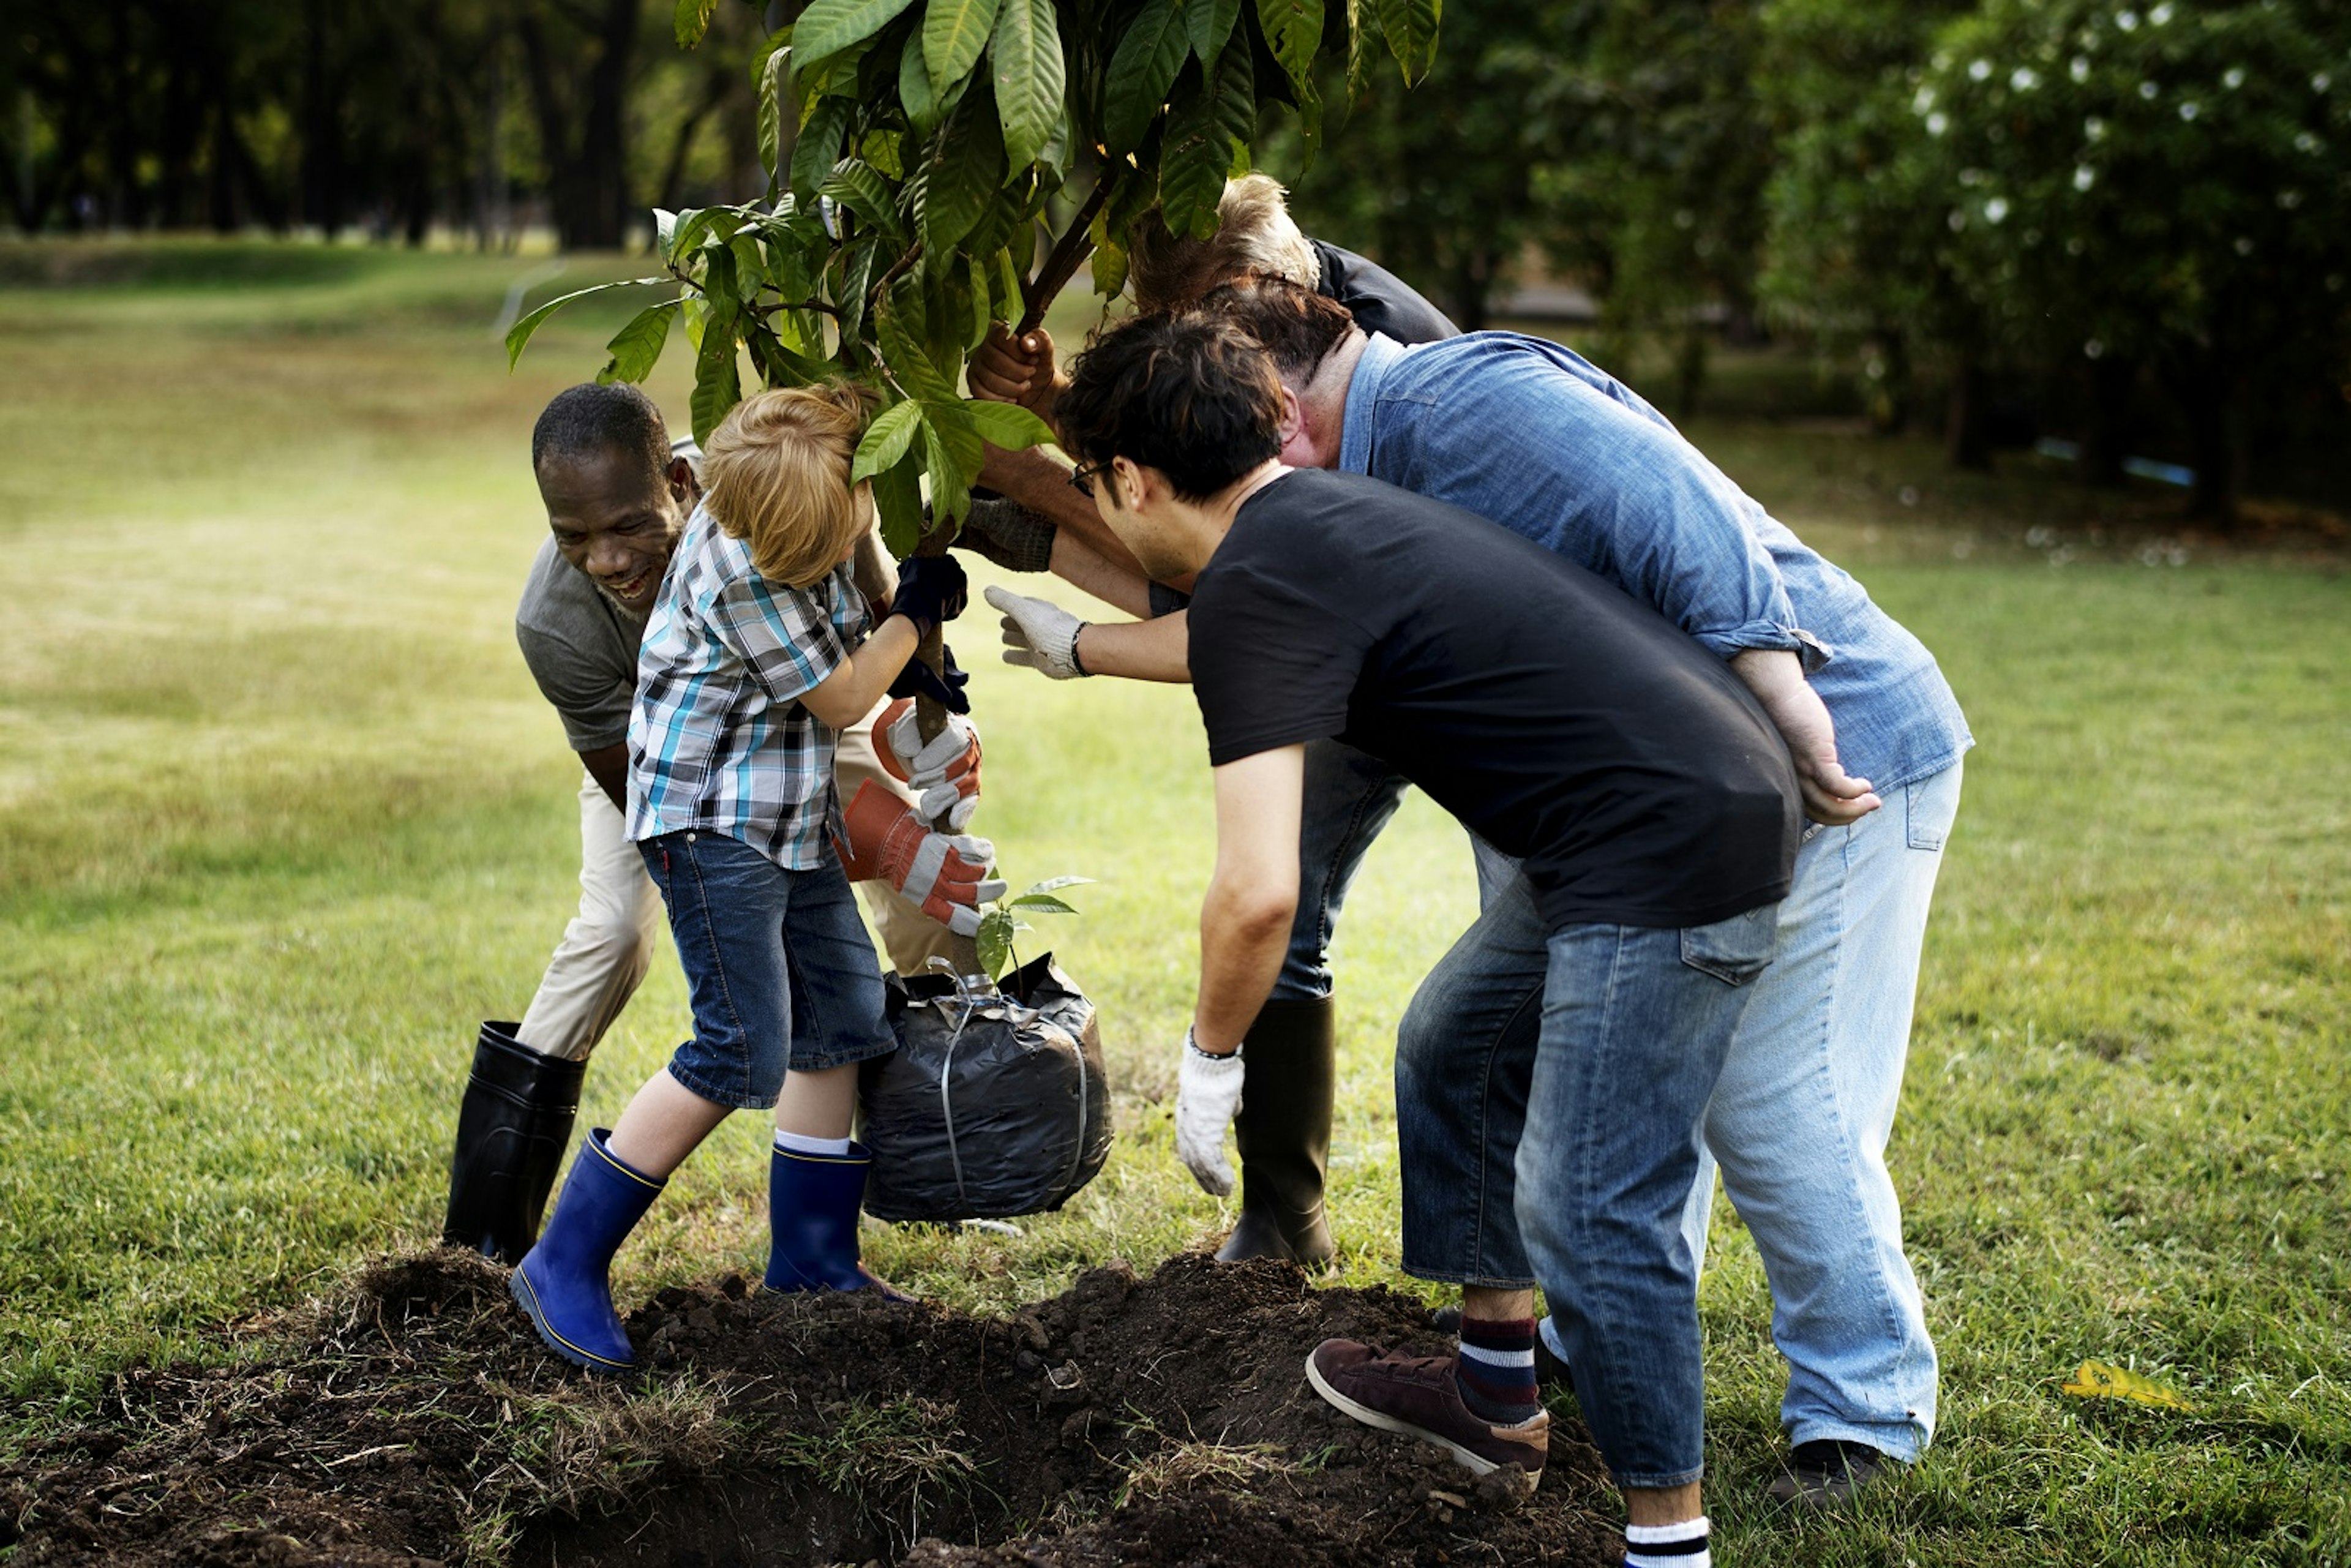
{"x":518,"y":1286}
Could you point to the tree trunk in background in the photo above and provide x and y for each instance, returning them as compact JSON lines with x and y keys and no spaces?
{"x":322,"y":140}
{"x":2219,"y":405}
{"x":2105,"y":440}
{"x":1968,"y":431}
{"x":587,"y":167}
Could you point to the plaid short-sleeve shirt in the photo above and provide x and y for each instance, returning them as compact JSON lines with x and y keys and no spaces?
{"x":718,"y":739}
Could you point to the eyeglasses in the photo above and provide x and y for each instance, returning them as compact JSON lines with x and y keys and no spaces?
{"x":1082,"y":478}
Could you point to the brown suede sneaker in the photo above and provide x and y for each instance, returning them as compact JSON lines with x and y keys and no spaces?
{"x":1417,"y":1396}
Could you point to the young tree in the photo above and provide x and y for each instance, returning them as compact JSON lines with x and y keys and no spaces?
{"x":913,"y":147}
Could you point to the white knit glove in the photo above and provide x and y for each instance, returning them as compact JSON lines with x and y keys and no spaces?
{"x":1038,"y":633}
{"x":1208,"y":1092}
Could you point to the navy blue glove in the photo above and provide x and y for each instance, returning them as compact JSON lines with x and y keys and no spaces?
{"x":916,"y":680}
{"x":930,"y":591}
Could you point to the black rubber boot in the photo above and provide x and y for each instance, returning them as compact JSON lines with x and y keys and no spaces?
{"x":511,"y":1133}
{"x":1284,"y":1132}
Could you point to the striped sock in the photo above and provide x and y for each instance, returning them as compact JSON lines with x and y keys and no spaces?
{"x":1497,"y":1370}
{"x":1680,"y":1545}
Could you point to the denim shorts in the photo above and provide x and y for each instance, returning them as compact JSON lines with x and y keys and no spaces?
{"x":778,"y":965}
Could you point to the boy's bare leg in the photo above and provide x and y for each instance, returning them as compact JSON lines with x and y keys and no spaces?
{"x":822,"y":1104}
{"x":1643,"y":1505}
{"x":665,"y":1122}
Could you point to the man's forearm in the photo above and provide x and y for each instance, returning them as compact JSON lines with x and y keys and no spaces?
{"x":1243,"y":932}
{"x":1040,"y":482}
{"x":1157,"y":650}
{"x":1776,"y":678}
{"x":1076,"y":563}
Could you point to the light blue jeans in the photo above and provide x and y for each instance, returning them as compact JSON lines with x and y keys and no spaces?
{"x":1800,"y":1121}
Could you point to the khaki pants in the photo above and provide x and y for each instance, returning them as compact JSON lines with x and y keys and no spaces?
{"x":609,"y":944}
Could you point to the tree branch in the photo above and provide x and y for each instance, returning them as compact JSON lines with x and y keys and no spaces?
{"x":1062,"y":261}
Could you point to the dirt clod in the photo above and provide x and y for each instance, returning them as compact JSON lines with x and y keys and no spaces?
{"x":414,"y":1421}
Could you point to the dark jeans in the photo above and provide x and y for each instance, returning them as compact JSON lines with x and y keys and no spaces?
{"x":778,"y":965}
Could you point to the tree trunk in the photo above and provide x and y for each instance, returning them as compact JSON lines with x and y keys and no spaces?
{"x":588,"y":172}
{"x":2218,"y":413}
{"x":2106,"y":437}
{"x":322,"y":141}
{"x":1968,"y":427}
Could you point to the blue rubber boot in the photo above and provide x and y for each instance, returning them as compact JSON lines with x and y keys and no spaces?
{"x":812,"y":1206}
{"x":564,"y":1283}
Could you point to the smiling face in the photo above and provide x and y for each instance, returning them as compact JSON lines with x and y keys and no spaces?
{"x":615,"y":521}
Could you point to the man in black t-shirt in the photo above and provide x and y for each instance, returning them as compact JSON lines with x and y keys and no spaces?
{"x":1648,"y":796}
{"x":1284,"y":1129}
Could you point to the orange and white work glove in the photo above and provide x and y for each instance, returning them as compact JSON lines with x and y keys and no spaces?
{"x":945,"y":874}
{"x":944,"y":775}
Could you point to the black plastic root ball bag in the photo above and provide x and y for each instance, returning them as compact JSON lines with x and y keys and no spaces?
{"x":993,"y":1106}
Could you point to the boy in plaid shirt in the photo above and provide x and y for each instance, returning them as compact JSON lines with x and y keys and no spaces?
{"x":757,"y":654}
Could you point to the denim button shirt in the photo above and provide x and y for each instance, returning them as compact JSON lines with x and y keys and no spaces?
{"x":1543,"y":442}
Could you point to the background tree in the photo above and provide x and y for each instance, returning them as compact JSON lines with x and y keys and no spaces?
{"x":1439,"y":181}
{"x":2161,"y":188}
{"x":1853,"y":217}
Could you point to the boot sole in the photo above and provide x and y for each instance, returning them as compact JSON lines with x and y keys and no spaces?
{"x":1477,"y":1464}
{"x":518,"y":1286}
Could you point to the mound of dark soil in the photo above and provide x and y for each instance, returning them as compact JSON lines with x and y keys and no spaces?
{"x":1160,"y":1420}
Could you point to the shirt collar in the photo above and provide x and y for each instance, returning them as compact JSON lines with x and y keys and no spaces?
{"x":1362,"y":395}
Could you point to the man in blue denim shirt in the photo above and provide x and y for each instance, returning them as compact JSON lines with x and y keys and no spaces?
{"x":1536,"y":438}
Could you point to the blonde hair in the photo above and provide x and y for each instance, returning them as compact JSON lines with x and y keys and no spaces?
{"x":1256,"y":237}
{"x":776,"y":475}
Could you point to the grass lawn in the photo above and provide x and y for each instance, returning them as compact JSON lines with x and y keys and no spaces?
{"x":281,"y":816}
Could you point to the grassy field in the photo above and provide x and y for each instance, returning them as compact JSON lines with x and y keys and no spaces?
{"x":281,"y":816}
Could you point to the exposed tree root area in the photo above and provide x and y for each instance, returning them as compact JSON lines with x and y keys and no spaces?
{"x":415,"y":1420}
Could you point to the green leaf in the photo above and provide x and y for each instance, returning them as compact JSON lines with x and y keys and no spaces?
{"x":1008,"y":425}
{"x":1210,"y":23}
{"x":1042,"y":902}
{"x":921,"y":105}
{"x":1142,"y":70}
{"x":898,"y":502}
{"x":828,"y":26}
{"x":777,"y":365}
{"x":1202,"y":132}
{"x":637,"y":347}
{"x":717,"y":377}
{"x":1030,"y":77}
{"x":819,"y":147}
{"x":954,"y":32}
{"x":1411,"y":29}
{"x":856,"y":278}
{"x":1293,"y":31}
{"x":976,"y":270}
{"x":961,"y":176}
{"x":953,"y":453}
{"x":771,"y":113}
{"x":887,"y":440}
{"x":994,"y":941}
{"x":859,"y":187}
{"x":692,"y":20}
{"x":519,"y":333}
{"x":903,"y":356}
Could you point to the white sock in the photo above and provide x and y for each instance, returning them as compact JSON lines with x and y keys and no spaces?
{"x":1680,"y":1545}
{"x":801,"y":1144}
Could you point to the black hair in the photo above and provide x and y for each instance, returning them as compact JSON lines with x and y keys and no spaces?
{"x":1297,"y":327}
{"x":1191,"y":396}
{"x":589,"y":419}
